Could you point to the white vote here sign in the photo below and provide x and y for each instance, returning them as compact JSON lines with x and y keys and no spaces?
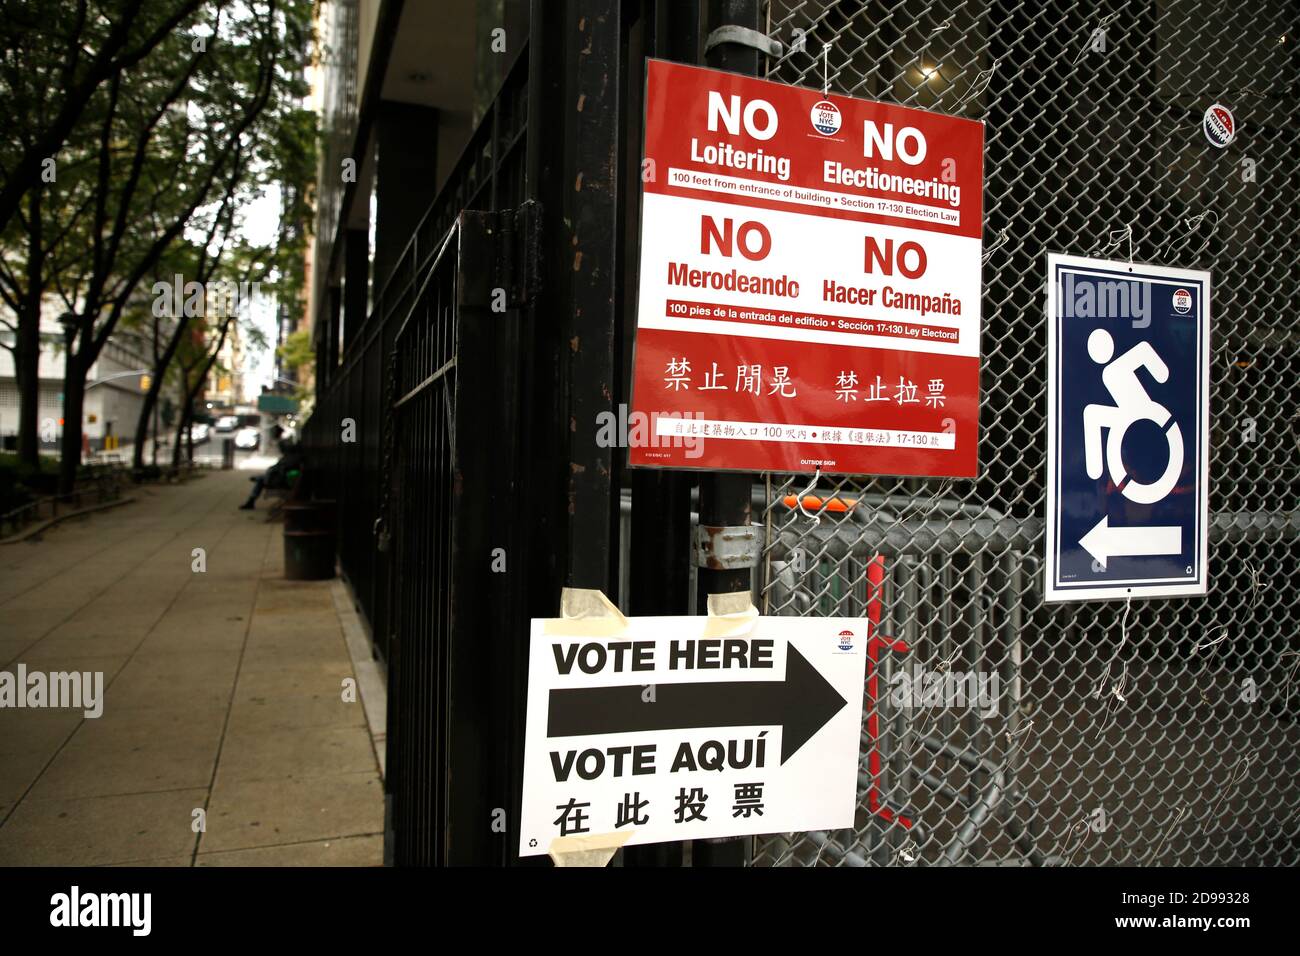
{"x":683,"y":728}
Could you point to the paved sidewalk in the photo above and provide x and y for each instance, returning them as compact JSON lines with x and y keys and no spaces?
{"x":223,"y":693}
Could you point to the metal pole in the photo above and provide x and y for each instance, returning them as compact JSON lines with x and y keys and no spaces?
{"x":659,"y":580}
{"x":725,"y":497}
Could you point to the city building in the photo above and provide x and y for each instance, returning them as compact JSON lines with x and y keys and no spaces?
{"x":225,"y":384}
{"x":115,"y":387}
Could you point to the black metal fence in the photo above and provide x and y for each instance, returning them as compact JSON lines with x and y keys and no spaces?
{"x":466,"y":499}
{"x":345,"y":434}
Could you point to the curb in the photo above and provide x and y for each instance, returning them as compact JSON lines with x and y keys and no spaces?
{"x":371,"y":681}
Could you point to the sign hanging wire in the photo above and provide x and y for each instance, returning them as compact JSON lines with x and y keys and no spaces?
{"x":812,"y":486}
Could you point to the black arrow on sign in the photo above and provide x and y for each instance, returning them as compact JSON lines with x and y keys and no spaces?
{"x":801,"y":705}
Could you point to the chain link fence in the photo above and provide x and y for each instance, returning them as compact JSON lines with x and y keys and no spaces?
{"x":1000,"y":730}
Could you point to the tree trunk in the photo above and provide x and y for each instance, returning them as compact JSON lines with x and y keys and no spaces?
{"x":156,"y":371}
{"x":181,"y":431}
{"x":27,"y":352}
{"x":142,"y":423}
{"x":27,"y":369}
{"x":187,"y":409}
{"x":74,"y":394}
{"x":161,"y":363}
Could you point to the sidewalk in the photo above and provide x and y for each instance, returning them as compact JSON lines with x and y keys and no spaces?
{"x":223,"y":693}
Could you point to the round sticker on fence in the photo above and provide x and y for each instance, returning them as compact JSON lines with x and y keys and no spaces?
{"x":1219,"y":125}
{"x":826,"y":118}
{"x":1182,"y":302}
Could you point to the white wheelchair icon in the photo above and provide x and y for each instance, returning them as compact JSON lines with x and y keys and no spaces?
{"x":1132,"y":404}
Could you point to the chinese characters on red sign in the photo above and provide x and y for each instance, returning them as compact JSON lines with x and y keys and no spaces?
{"x":809,"y":280}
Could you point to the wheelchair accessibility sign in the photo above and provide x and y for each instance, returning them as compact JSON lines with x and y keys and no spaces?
{"x":1127,"y":430}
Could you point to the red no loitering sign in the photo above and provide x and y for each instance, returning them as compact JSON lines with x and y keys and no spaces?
{"x":809,"y":281}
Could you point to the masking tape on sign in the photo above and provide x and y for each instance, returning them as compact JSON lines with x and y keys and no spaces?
{"x":587,"y":849}
{"x":730,"y":615}
{"x":586,"y":612}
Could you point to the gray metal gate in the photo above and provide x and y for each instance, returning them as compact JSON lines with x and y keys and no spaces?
{"x":1001,"y":730}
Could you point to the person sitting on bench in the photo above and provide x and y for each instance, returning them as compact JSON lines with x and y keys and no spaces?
{"x":280,"y":475}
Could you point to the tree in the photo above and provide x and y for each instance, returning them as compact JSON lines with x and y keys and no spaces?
{"x":22,"y":288}
{"x":278,"y":149}
{"x":297,"y":352}
{"x":169,"y":134}
{"x":83,"y":115}
{"x":178,"y":117}
{"x":197,"y":361}
{"x":172,"y":299}
{"x":32,"y":255}
{"x":56,"y":57}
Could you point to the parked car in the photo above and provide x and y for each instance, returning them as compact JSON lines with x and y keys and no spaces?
{"x":199,"y":434}
{"x":248,"y":437}
{"x":227,"y":423}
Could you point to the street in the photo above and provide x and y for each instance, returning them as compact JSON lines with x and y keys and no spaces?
{"x":255,"y":460}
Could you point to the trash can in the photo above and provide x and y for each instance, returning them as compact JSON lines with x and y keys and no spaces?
{"x":227,"y":454}
{"x":309,"y":541}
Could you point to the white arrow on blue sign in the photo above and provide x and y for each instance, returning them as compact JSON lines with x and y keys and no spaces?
{"x":1128,"y":421}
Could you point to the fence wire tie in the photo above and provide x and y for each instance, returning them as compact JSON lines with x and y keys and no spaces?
{"x":1115,"y":238}
{"x":1083,"y":827}
{"x":812,"y":486}
{"x":1014,"y":737}
{"x":1119,"y":684}
{"x":1178,"y":817}
{"x":925,"y":54}
{"x":997,"y":244}
{"x":1218,"y":640}
{"x":1234,"y":779}
{"x":1247,"y":760}
{"x":907,"y":852}
{"x":1117,"y":694}
{"x":978,"y":85}
{"x":937,"y":30}
{"x":1257,"y":585}
{"x":1087,"y":40}
{"x":1123,"y":636}
{"x":1290,"y":676}
{"x":1223,"y":635}
{"x":1190,"y":225}
{"x":820,"y":850}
